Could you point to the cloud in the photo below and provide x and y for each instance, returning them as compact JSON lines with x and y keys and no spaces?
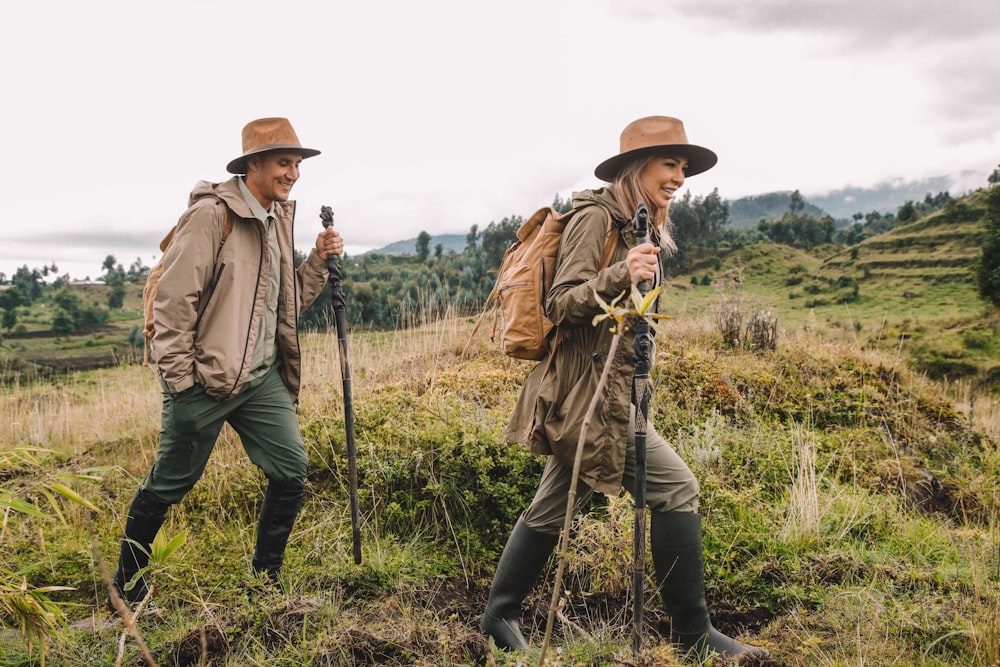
{"x":865,"y":24}
{"x":433,"y":125}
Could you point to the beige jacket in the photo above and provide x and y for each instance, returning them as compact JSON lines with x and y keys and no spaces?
{"x":550,"y":411}
{"x":210,"y":300}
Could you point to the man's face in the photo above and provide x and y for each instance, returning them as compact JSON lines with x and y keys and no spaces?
{"x":270,"y":176}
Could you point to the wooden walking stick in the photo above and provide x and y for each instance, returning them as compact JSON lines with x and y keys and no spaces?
{"x":641,"y":389}
{"x":339,"y":303}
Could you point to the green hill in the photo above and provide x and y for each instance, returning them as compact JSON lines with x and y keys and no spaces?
{"x":449,"y":242}
{"x":746,"y":211}
{"x":910,"y":291}
{"x":850,"y":514}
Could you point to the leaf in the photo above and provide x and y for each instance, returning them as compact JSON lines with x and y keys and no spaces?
{"x":649,"y":299}
{"x":95,"y":474}
{"x":642,"y":303}
{"x":21,"y":506}
{"x":55,"y":505}
{"x":162,"y":549}
{"x":72,"y":495}
{"x":51,"y":589}
{"x":602,"y":303}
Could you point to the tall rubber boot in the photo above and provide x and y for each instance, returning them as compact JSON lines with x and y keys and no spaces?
{"x":145,"y":516}
{"x":675,"y":540}
{"x":526,"y":553}
{"x":274,"y":525}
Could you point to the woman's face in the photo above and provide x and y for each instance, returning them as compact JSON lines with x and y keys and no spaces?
{"x":661,"y":178}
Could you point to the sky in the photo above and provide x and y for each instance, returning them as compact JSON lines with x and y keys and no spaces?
{"x":442,"y":114}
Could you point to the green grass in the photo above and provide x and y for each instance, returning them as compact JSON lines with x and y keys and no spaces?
{"x":851,"y":500}
{"x":850,"y":512}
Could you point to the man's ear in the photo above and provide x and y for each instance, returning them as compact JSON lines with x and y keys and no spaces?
{"x":253,"y":163}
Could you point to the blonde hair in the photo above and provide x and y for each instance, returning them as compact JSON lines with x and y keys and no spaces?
{"x":628,"y":192}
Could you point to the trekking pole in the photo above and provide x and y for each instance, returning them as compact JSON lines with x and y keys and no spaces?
{"x":339,"y":303}
{"x":641,"y":389}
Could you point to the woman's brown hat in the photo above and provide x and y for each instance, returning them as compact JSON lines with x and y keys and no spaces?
{"x":651,"y":135}
{"x":267,"y":134}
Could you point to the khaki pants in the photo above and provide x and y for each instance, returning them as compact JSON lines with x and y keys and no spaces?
{"x":262,"y":414}
{"x":670,"y":484}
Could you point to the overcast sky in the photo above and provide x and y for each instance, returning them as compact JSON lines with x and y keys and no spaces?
{"x":440,"y":114}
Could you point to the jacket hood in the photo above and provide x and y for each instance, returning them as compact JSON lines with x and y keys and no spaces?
{"x":229,"y":192}
{"x":603,"y":197}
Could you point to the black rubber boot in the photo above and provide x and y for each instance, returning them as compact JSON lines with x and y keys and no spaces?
{"x":145,"y":516}
{"x":675,"y":540}
{"x":277,"y":517}
{"x":523,"y":558}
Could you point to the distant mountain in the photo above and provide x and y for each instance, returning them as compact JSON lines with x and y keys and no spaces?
{"x":746,"y":211}
{"x":885,"y":197}
{"x":841,"y":204}
{"x":455,"y":242}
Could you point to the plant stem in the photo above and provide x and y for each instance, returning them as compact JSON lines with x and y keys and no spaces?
{"x":571,"y":497}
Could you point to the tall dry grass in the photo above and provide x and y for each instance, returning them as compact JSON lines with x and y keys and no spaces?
{"x":893,"y":562}
{"x":81,"y":409}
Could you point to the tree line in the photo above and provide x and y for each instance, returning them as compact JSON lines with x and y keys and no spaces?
{"x":392,"y":291}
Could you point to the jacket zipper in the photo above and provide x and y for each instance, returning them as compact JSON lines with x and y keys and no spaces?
{"x":256,"y":290}
{"x":295,"y":305}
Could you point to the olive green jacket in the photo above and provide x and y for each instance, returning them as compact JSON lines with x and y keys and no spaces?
{"x":550,"y":411}
{"x":210,"y":299}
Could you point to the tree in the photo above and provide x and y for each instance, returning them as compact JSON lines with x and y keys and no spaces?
{"x":10,"y":300}
{"x":137,"y":270}
{"x":109,"y":263}
{"x":29,"y":282}
{"x":72,"y":314}
{"x":698,"y":224}
{"x":907,"y":212}
{"x":994,"y":178}
{"x":562,"y":205}
{"x":471,"y":238}
{"x":116,"y":298}
{"x":423,"y":245}
{"x":988,"y":270}
{"x":115,"y":279}
{"x":63,"y":322}
{"x":796,"y":203}
{"x":497,"y":237}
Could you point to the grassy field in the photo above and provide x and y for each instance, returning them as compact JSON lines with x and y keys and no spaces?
{"x":910,"y":292}
{"x":33,"y":351}
{"x":851,"y":512}
{"x":849,"y":483}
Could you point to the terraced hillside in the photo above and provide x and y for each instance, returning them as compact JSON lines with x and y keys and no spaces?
{"x":911,"y":290}
{"x":921,"y":278}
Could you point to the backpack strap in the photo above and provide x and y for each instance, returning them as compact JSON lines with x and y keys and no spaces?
{"x":610,"y":243}
{"x":153,"y":278}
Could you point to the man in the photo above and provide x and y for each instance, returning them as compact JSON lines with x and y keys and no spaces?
{"x":225,"y":345}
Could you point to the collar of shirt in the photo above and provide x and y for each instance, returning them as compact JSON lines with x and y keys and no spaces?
{"x":255,"y":207}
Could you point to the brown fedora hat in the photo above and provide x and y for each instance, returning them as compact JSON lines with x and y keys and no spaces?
{"x":267,"y":134}
{"x":651,"y":135}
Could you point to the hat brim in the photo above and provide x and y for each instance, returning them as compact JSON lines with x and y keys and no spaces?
{"x":239,"y":165}
{"x":699,"y":159}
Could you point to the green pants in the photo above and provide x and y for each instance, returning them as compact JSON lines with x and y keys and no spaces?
{"x":262,"y":414}
{"x":670,"y":484}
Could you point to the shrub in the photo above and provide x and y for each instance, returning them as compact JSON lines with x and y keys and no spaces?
{"x":762,"y":332}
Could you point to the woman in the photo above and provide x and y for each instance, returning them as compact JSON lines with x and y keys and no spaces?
{"x":654,"y":159}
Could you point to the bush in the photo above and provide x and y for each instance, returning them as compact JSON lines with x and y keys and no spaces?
{"x":762,"y":332}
